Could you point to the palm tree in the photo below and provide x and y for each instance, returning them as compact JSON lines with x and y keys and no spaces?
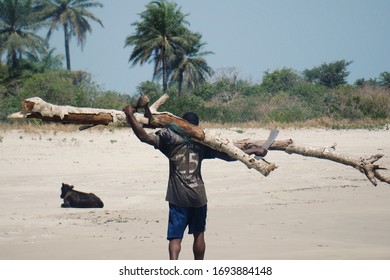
{"x":384,"y":79}
{"x":189,"y":65}
{"x":157,"y":35}
{"x":17,"y":26}
{"x":72,"y":16}
{"x":46,"y":62}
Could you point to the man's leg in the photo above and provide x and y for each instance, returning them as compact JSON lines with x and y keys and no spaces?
{"x":177,"y":223}
{"x":199,"y":246}
{"x":174,"y":248}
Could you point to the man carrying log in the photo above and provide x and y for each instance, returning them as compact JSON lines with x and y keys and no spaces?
{"x":186,"y":192}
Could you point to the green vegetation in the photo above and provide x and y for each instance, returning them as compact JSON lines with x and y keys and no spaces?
{"x":162,"y":37}
{"x":28,"y":67}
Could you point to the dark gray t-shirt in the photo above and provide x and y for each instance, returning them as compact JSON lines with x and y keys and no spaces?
{"x":185,"y":184}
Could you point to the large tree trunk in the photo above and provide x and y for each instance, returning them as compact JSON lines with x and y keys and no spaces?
{"x":37,"y":108}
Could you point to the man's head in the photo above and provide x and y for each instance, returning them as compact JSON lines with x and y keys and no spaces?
{"x":192,"y":118}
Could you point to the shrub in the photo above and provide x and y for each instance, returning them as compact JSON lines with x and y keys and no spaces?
{"x":58,"y":87}
{"x":328,"y":74}
{"x":374,"y":102}
{"x":111,"y":100}
{"x":287,"y":115}
{"x":280,"y":80}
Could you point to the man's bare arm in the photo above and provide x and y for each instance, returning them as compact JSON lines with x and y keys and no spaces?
{"x":139,"y":131}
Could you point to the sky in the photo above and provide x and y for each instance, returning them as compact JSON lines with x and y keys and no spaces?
{"x":249,"y":36}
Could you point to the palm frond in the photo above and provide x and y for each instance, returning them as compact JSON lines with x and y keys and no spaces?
{"x":72,"y":15}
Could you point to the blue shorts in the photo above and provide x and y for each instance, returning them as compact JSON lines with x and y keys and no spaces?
{"x":180,"y":217}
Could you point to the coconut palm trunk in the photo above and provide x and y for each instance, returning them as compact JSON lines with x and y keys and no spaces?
{"x":165,"y":72}
{"x":180,"y":84}
{"x":67,"y":49}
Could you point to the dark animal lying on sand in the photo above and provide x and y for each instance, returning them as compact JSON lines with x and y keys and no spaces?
{"x":73,"y":198}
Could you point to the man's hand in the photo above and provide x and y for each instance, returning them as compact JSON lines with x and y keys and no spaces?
{"x":139,"y":131}
{"x":260,"y":151}
{"x":256,"y":150}
{"x":129,"y":110}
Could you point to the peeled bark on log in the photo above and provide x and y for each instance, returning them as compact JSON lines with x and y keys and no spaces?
{"x":37,"y":108}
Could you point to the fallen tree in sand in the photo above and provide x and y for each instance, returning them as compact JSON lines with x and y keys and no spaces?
{"x":151,"y":117}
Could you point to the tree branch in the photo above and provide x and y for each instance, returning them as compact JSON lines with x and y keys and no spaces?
{"x":364,"y":165}
{"x":37,"y":108}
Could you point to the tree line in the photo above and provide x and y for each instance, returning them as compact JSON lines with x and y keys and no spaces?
{"x":28,"y":67}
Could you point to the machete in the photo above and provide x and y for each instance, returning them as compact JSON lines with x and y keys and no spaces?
{"x":271,"y":138}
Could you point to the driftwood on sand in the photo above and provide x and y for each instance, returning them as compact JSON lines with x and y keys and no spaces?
{"x":38,"y":108}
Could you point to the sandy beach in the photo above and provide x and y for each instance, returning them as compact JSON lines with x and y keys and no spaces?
{"x":306,"y":209}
